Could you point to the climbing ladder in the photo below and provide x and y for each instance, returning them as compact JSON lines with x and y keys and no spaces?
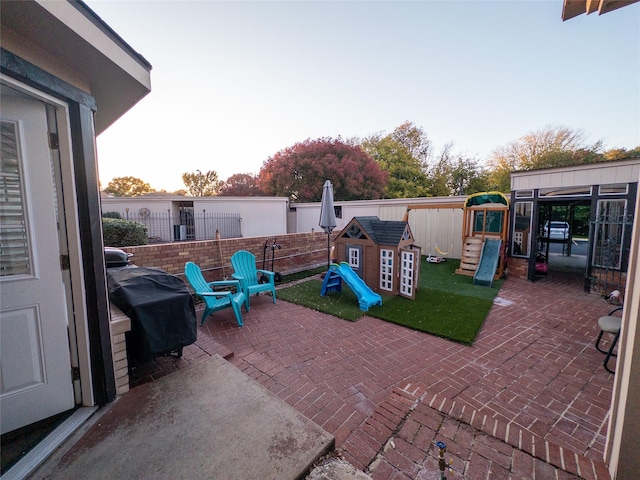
{"x":332,"y":281}
{"x":471,"y":250}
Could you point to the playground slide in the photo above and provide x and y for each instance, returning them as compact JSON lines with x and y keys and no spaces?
{"x":488,"y":263}
{"x":366,"y":297}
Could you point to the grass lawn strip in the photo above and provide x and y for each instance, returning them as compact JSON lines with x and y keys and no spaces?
{"x":339,"y":304}
{"x":446,"y":304}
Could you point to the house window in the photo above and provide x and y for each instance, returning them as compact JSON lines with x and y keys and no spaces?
{"x":524,"y":194}
{"x":521,"y":234}
{"x":14,"y":240}
{"x":337,"y":209}
{"x":386,"y":269}
{"x":614,"y":189}
{"x":565,"y":192}
{"x":609,"y":233}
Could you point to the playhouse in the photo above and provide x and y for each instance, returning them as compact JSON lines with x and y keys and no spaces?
{"x":382,"y":253}
{"x":484,"y":236}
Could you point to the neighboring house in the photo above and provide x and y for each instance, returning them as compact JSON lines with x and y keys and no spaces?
{"x":65,"y":77}
{"x":171,"y":217}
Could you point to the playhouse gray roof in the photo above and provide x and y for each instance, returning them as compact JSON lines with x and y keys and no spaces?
{"x":383,"y":232}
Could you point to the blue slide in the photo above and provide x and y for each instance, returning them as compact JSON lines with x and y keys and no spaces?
{"x":366,"y":296}
{"x":488,"y":263}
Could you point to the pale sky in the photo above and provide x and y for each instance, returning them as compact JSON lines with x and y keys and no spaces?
{"x":235,"y":82}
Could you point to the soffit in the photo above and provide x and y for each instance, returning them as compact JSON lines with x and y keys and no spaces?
{"x":573,"y":8}
{"x":75,"y":36}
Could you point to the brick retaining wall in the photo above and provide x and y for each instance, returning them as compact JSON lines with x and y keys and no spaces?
{"x":518,"y":267}
{"x":299,"y":251}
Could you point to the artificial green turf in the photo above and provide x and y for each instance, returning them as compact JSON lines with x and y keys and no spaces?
{"x":446,"y":304}
{"x":339,"y":304}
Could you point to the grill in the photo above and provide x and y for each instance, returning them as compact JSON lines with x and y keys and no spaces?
{"x":161,"y":309}
{"x":114,"y":257}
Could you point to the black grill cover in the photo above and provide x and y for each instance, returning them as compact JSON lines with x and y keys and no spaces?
{"x":161,"y":309}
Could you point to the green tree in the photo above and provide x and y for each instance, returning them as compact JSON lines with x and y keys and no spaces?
{"x":404,"y":155}
{"x":414,"y":140}
{"x":240,"y":185}
{"x":467,"y":176}
{"x":407,"y":177}
{"x":549,"y":147}
{"x":456,"y":174}
{"x":200,"y":184}
{"x":299,"y":172}
{"x":621,"y":153}
{"x":127,"y":187}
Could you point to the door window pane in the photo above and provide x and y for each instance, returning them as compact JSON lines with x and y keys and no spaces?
{"x":14,"y":244}
{"x":609,"y":233}
{"x":521,"y":235}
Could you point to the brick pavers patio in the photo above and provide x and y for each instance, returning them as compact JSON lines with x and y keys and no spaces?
{"x":531,"y":388}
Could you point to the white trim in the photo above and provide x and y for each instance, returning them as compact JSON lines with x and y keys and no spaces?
{"x":98,"y":39}
{"x":78,"y":318}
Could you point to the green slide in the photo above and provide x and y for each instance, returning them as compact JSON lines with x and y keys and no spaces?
{"x":488,"y":263}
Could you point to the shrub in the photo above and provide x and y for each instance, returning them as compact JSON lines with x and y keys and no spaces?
{"x":122,"y":233}
{"x":111,"y":215}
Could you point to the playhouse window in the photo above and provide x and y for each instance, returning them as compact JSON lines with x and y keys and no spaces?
{"x":492,"y":224}
{"x":386,"y":269}
{"x":354,"y":232}
{"x":354,"y":258}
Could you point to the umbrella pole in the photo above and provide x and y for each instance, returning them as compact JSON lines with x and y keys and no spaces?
{"x":328,"y":250}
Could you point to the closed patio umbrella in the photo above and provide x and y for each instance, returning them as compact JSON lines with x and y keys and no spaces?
{"x":327,"y":215}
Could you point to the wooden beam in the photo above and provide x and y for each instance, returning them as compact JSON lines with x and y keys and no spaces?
{"x":436,"y":205}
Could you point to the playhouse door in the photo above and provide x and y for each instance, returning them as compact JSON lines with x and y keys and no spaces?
{"x":409,"y":267}
{"x":354,"y":258}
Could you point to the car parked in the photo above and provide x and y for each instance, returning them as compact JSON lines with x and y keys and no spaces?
{"x":556,"y":230}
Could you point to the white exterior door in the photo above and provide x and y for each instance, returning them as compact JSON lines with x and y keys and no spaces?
{"x":35,"y":366}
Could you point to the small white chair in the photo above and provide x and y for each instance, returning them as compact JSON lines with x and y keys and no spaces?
{"x":609,"y":324}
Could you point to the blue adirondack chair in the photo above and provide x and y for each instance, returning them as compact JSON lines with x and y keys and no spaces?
{"x":213,"y":298}
{"x":244,"y":266}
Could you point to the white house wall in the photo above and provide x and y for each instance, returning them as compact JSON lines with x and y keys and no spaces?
{"x":308,"y":214}
{"x":261,"y":216}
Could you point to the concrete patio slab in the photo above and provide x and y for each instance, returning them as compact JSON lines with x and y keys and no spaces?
{"x":206,"y":421}
{"x":529,"y":399}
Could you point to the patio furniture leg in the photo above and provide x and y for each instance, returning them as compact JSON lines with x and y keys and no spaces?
{"x":610,"y":353}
